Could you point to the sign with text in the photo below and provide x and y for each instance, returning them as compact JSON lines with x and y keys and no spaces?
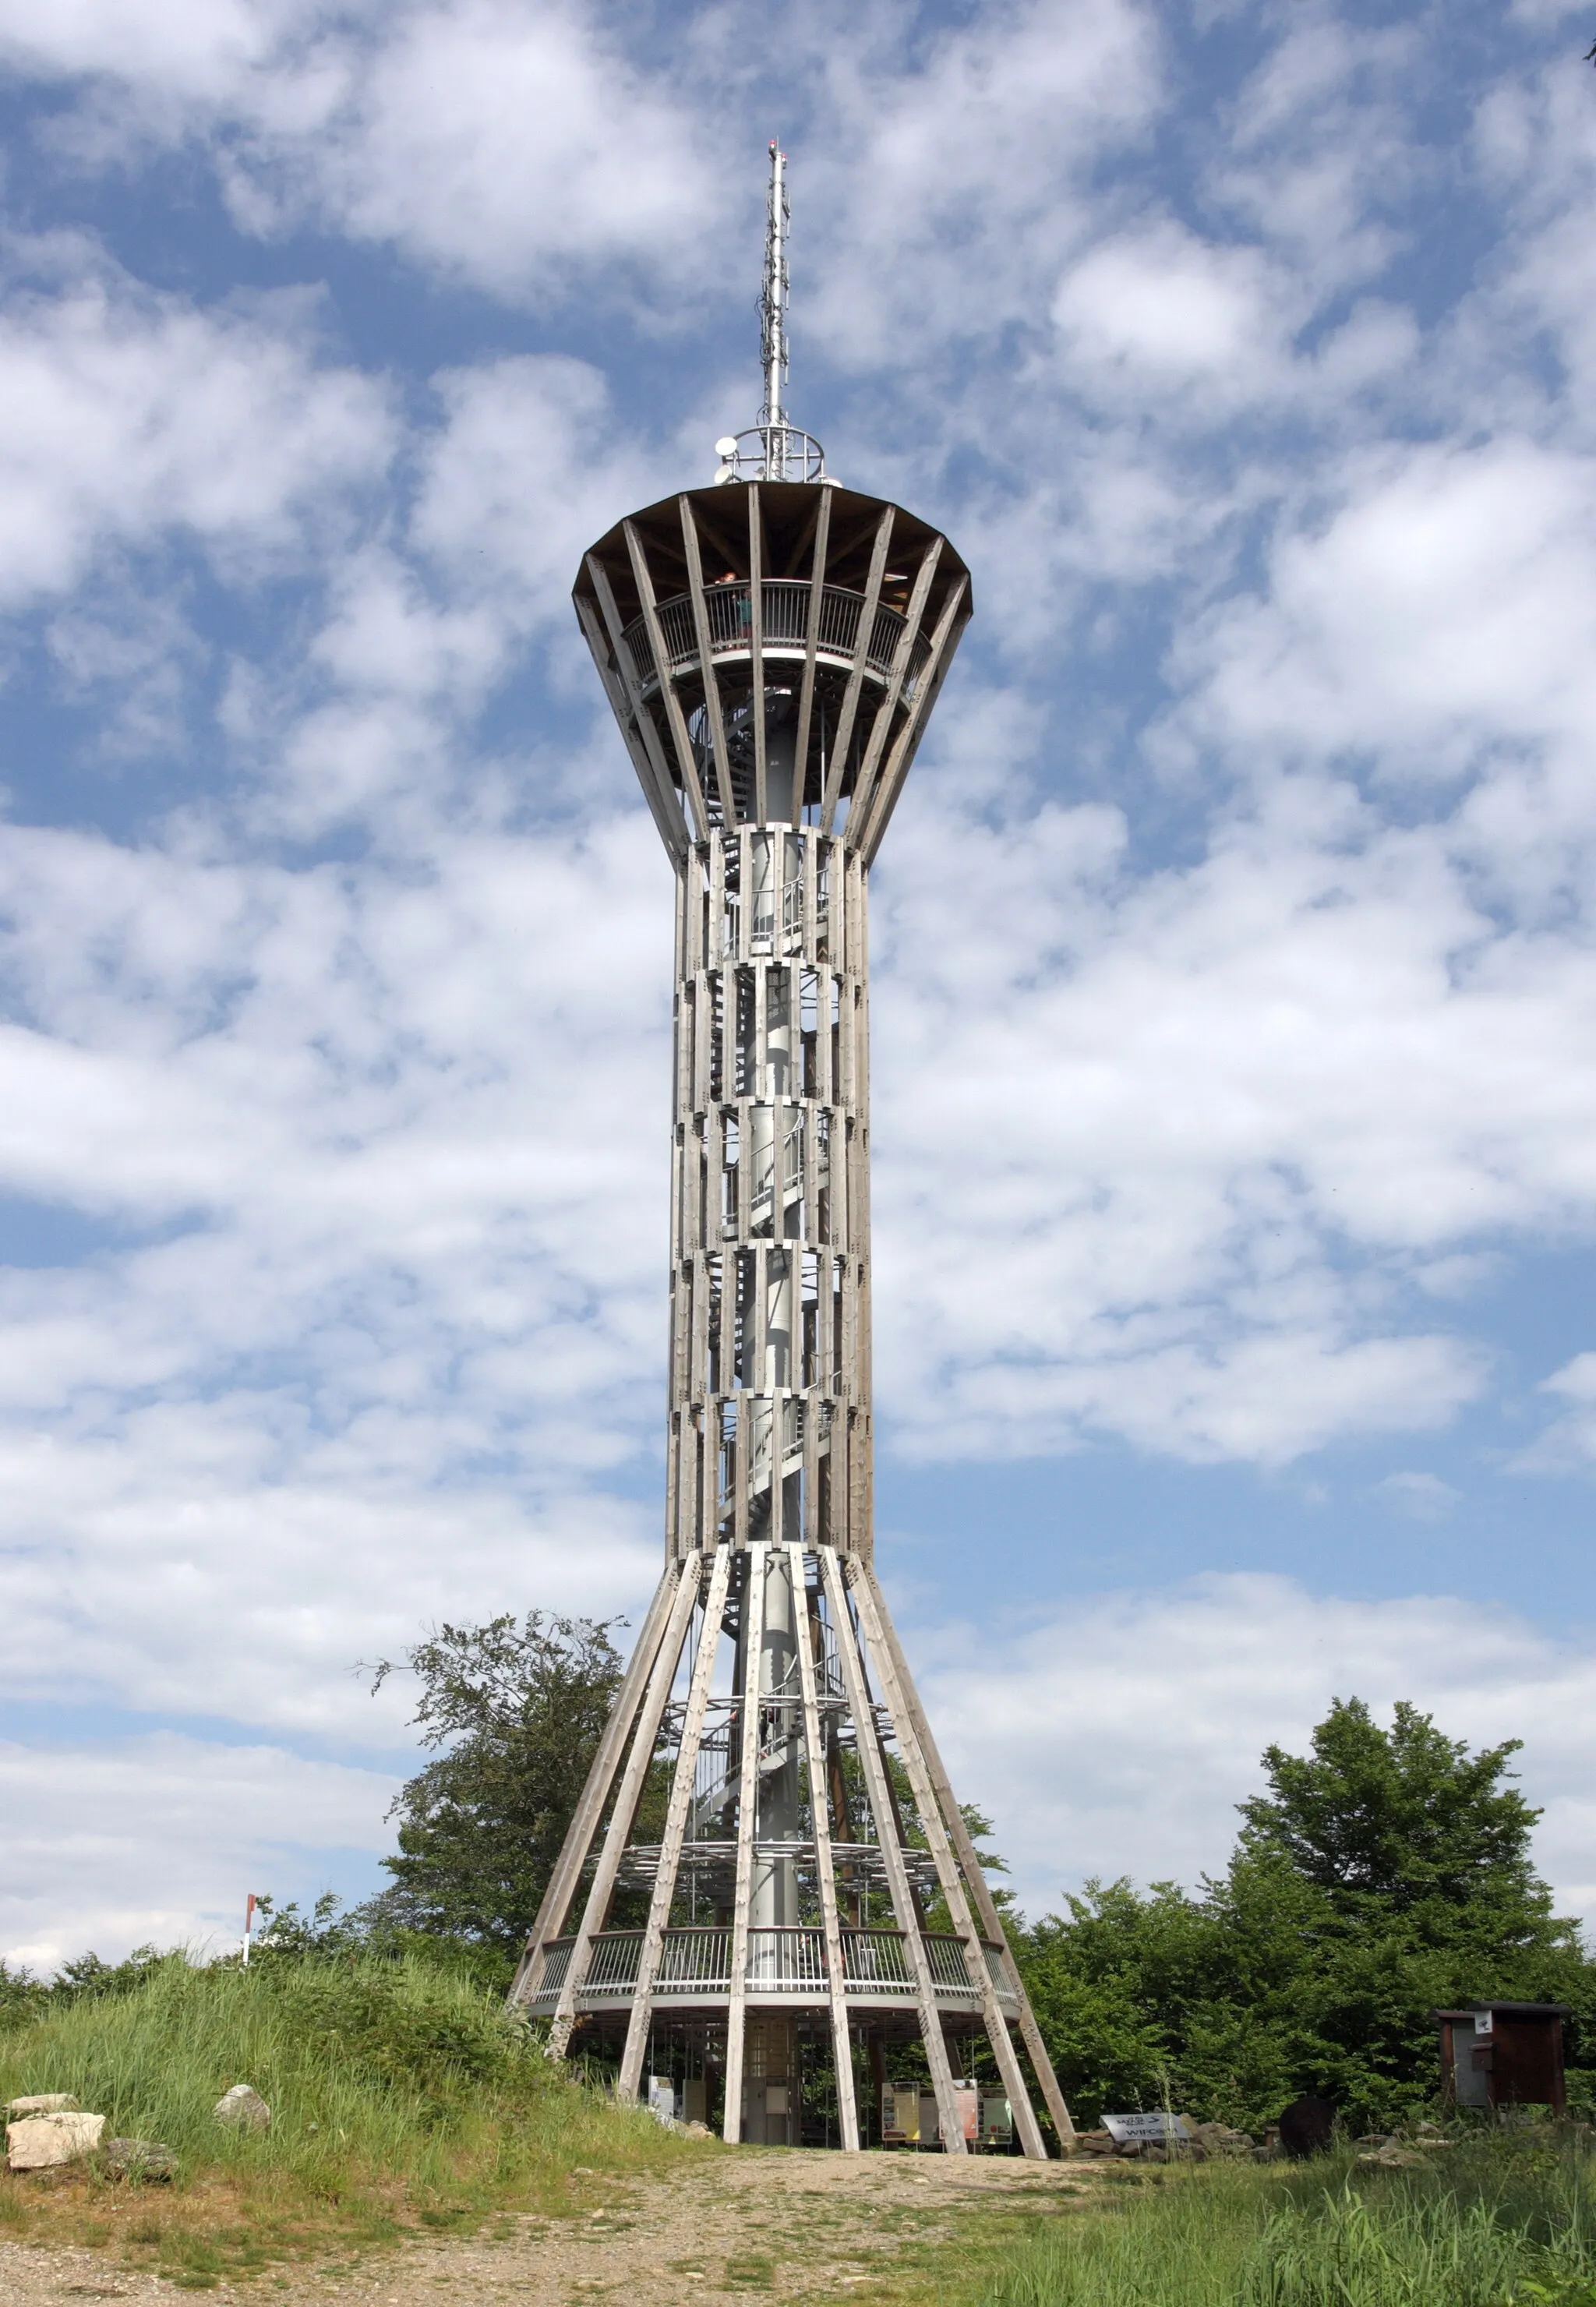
{"x":1144,"y":2130}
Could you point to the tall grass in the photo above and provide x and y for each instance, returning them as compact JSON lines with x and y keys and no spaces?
{"x":399,"y":2095}
{"x":1497,"y":2223}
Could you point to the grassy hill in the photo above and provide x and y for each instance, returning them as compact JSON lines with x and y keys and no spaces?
{"x":401,"y":2097}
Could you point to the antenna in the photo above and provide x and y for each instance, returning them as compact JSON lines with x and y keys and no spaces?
{"x":773,"y":449}
{"x":773,"y":299}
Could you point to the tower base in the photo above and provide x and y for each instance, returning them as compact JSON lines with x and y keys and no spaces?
{"x":767,"y":1864}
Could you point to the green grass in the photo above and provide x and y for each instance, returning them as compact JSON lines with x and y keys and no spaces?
{"x":401,"y":2097}
{"x":1493,"y":2222}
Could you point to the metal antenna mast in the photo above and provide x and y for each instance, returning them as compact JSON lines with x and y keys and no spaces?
{"x":773,"y":300}
{"x":808,"y":1903}
{"x":773,"y":449}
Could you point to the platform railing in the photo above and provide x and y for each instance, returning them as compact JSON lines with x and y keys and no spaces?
{"x":784,"y":602}
{"x":698,"y":1961}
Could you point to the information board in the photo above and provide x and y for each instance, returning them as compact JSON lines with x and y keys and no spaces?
{"x":1140,"y":2130}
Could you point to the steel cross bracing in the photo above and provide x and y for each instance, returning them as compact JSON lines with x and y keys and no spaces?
{"x":767,"y":1852}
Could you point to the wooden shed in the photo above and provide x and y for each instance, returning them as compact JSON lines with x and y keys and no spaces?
{"x":1502,"y":2054}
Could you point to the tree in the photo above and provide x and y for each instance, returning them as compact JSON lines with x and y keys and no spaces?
{"x":517,"y":1710}
{"x":1405,"y":1822}
{"x":1384,"y":1875}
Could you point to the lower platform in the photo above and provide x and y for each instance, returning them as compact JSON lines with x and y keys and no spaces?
{"x":785,"y":1968}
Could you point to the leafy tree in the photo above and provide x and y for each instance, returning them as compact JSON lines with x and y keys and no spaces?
{"x":1384,"y":1875}
{"x":516,"y":1710}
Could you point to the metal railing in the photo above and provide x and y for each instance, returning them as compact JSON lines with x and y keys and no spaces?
{"x":784,"y":603}
{"x":698,"y":1960}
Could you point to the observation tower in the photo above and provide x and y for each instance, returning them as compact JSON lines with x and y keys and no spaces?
{"x":768,"y":1903}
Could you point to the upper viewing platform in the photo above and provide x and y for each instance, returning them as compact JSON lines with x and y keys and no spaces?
{"x":772,"y":651}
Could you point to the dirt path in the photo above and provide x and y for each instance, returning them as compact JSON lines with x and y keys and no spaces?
{"x":804,"y":2227}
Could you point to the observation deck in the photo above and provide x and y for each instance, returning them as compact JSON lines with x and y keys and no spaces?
{"x":778,"y":619}
{"x":782,"y":623}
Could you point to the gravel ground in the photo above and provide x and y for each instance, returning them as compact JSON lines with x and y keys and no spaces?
{"x":804,"y":2227}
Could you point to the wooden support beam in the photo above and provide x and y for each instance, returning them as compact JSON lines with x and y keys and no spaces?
{"x":675,"y":1828}
{"x":756,"y":642}
{"x":585,"y":1821}
{"x":811,"y":642}
{"x":670,"y":703}
{"x":814,"y":1747}
{"x":881,"y":727}
{"x":884,"y":1812}
{"x":894,"y":1687}
{"x":861,"y":641}
{"x":985,"y":1905}
{"x":700,"y":625}
{"x":867,"y":838}
{"x":748,"y":1804}
{"x":662,"y":1674}
{"x":631,"y":718}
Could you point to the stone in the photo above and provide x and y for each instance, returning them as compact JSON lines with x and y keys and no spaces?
{"x":38,"y":2142}
{"x":1217,"y":2139}
{"x":1392,"y":2157}
{"x":45,"y":2102}
{"x":138,"y":2159}
{"x":243,"y":2108}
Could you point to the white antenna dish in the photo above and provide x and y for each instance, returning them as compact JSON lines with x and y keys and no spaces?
{"x":727,"y":446}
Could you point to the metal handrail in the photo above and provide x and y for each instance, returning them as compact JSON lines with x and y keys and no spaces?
{"x":785,"y":603}
{"x":697,"y":1958}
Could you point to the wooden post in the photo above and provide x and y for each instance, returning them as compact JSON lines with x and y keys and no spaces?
{"x":589,"y":1810}
{"x":748,"y":1804}
{"x":985,"y":1905}
{"x":883,"y":1811}
{"x":675,"y":1829}
{"x":861,"y":641}
{"x":948,"y":1874}
{"x":811,"y":642}
{"x":825,"y":1871}
{"x":661,"y":1676}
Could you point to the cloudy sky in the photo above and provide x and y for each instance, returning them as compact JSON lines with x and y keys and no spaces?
{"x":1235,"y":1007}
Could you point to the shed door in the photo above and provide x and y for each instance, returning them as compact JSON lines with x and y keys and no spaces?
{"x":1470,"y":2065}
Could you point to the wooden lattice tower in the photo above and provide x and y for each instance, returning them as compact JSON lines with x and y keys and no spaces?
{"x":767,"y":1863}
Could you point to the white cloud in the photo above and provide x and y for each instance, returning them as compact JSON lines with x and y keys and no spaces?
{"x":1169,"y":1155}
{"x":132,"y":419}
{"x":159,"y":1839}
{"x":1437,"y":611}
{"x":1422,"y":1496}
{"x":1568,"y":1443}
{"x":1160,"y":311}
{"x":509,"y":143}
{"x":1117,"y":1737}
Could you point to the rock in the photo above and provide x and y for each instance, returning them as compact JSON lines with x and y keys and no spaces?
{"x":243,"y":2108}
{"x":138,"y":2159}
{"x":47,"y":2103}
{"x":697,"y":2131}
{"x":1392,"y":2157}
{"x":39,"y":2141}
{"x":1217,"y":2139}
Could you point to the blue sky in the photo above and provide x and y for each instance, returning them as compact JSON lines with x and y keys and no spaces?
{"x":1235,"y":998}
